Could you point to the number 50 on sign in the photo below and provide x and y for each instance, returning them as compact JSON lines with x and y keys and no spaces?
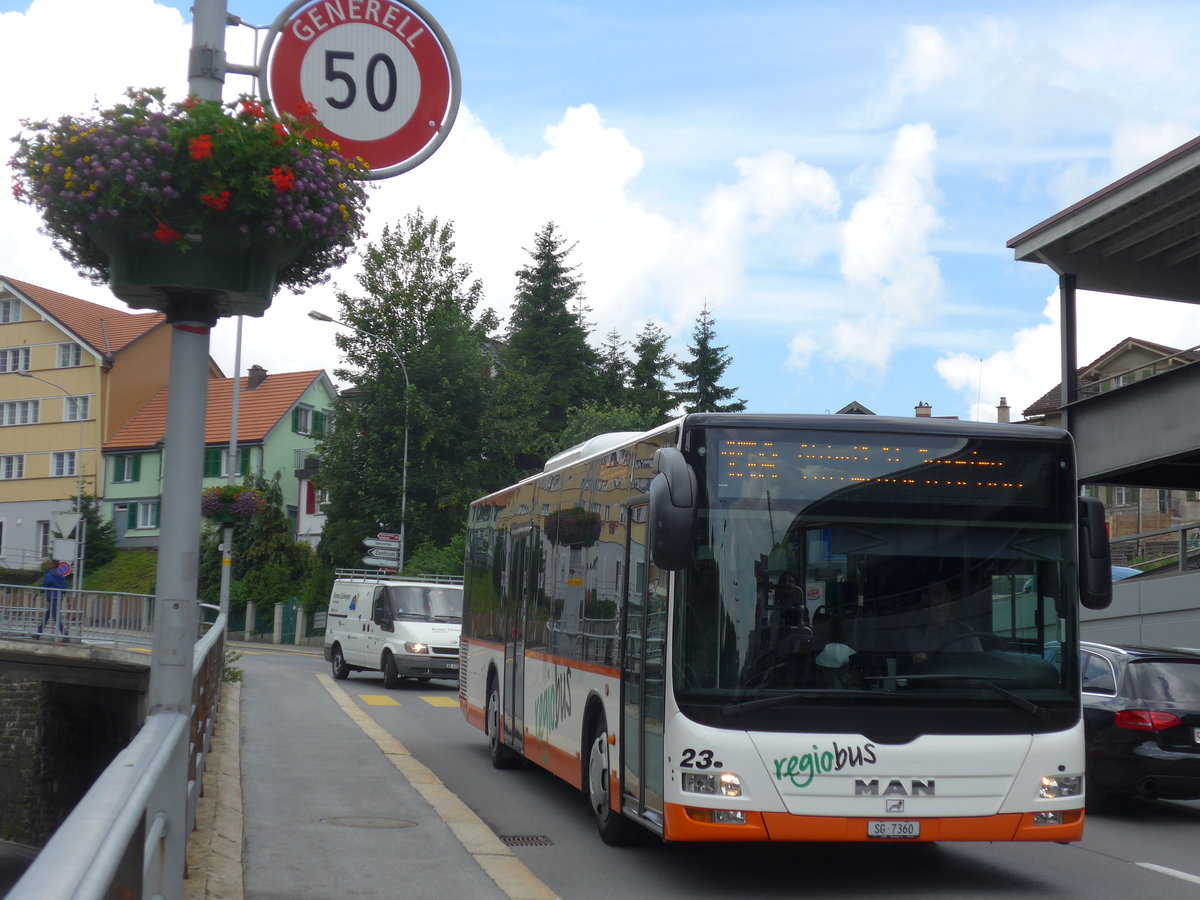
{"x":379,"y":75}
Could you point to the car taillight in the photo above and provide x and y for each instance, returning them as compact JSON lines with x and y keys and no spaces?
{"x":1145,"y":720}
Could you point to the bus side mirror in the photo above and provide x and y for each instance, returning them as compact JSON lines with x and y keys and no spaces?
{"x":672,"y":509}
{"x":1095,"y":563}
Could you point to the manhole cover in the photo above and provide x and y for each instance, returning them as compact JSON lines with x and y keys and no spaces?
{"x":367,"y":822}
{"x":526,"y":840}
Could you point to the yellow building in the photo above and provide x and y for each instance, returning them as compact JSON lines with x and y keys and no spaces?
{"x":71,"y":373}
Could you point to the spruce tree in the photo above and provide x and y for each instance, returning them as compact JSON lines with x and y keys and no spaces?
{"x":546,"y":330}
{"x":651,"y":369}
{"x":701,"y":390}
{"x":614,"y":369}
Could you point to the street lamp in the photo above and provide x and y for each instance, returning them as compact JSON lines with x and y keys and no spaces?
{"x":322,"y":317}
{"x":80,"y":528}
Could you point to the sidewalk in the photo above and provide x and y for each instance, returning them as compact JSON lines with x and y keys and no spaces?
{"x":305,"y":796}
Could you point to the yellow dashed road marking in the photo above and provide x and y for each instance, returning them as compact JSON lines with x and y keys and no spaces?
{"x":441,"y":700}
{"x":377,"y":700}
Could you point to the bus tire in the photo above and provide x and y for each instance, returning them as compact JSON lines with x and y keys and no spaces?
{"x":503,"y":757}
{"x":614,"y":828}
{"x":391,"y":675}
{"x":337,"y":662}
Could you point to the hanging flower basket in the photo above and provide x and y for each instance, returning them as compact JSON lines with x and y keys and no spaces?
{"x":573,"y":527}
{"x":151,"y":198}
{"x":231,"y":503}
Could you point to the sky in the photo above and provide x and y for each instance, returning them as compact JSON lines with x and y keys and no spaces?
{"x":835,"y":181}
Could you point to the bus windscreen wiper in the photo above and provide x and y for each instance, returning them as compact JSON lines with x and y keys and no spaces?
{"x":1015,"y":699}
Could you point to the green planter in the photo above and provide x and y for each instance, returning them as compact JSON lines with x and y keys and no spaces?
{"x":243,"y":278}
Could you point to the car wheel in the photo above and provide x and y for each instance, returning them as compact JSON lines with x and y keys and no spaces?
{"x":391,"y":674}
{"x":503,"y":757}
{"x":338,"y":663}
{"x":614,"y":828}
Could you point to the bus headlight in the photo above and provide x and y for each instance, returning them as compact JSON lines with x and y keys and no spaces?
{"x":726,"y":784}
{"x":1055,"y":786}
{"x":415,"y":647}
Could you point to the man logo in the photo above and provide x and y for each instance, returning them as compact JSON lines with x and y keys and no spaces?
{"x":916,"y":788}
{"x":894,"y":806}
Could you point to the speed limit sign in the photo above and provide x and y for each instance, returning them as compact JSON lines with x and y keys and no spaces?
{"x":379,"y":76}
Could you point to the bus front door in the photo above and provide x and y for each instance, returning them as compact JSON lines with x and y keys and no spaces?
{"x":520,"y":574}
{"x":643,"y":676}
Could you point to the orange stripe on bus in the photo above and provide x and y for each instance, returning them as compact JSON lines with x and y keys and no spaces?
{"x":680,"y":825}
{"x":553,"y":759}
{"x":573,"y":664}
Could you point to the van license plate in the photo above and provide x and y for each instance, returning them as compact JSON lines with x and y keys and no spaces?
{"x":893,"y":829}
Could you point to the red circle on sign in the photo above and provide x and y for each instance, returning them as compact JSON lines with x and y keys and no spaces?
{"x":325,"y":22}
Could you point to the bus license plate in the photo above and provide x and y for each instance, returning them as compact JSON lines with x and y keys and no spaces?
{"x":893,"y":829}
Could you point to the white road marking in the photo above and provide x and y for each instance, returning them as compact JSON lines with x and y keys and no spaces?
{"x":1174,"y":873}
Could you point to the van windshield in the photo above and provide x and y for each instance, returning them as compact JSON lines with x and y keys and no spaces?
{"x":429,"y":604}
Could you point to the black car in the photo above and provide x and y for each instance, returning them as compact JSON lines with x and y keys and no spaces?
{"x":1141,"y":714}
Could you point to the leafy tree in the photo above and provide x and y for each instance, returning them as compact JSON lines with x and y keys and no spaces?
{"x":547,"y":328}
{"x":701,"y":390}
{"x":419,"y":355}
{"x":651,"y":368}
{"x":429,"y":559}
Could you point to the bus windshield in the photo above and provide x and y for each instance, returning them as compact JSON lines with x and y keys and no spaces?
{"x":842,"y":570}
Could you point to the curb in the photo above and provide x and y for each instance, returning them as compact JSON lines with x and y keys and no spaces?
{"x":213,"y":867}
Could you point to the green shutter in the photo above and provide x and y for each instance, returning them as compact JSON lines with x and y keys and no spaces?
{"x":136,"y":461}
{"x":296,"y":420}
{"x":157,"y":511}
{"x":118,"y":468}
{"x":244,"y":461}
{"x":318,"y":423}
{"x":131,"y":516}
{"x":212,"y":462}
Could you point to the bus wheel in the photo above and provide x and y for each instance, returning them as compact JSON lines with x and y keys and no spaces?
{"x":391,"y":675}
{"x":338,"y":663}
{"x":614,"y":828}
{"x":502,"y":757}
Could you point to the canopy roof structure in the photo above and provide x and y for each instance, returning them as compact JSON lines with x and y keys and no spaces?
{"x":1138,"y":236}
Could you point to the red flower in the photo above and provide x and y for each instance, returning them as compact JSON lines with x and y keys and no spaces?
{"x":253,"y":108}
{"x":305,"y":109}
{"x":281,"y":133}
{"x":166,"y":234}
{"x":216,"y":201}
{"x":200,"y":147}
{"x":191,"y":101}
{"x":283,"y":178}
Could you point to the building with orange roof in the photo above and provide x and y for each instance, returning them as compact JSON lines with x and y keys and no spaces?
{"x":280,"y":419}
{"x":72,"y":373}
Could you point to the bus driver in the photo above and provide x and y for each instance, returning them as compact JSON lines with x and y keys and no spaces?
{"x":939,"y":631}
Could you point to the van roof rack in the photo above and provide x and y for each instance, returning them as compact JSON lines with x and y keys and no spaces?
{"x":375,"y":575}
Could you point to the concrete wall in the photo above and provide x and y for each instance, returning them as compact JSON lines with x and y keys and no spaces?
{"x":1158,"y":612}
{"x":55,"y":740}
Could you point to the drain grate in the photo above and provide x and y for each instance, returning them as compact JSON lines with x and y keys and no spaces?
{"x":526,"y":840}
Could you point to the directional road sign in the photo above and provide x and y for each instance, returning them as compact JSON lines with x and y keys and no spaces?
{"x":387,"y":536}
{"x":381,"y":563}
{"x":380,"y":553}
{"x":373,"y":542}
{"x":379,"y":76}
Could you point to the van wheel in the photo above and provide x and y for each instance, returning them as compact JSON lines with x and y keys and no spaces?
{"x":338,"y":663}
{"x":614,"y":828}
{"x":503,"y":757}
{"x":391,"y":675}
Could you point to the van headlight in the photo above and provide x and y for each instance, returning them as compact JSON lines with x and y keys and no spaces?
{"x":415,"y":647}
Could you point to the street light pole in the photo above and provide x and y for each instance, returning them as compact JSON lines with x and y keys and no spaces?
{"x":81,"y":527}
{"x":322,"y":317}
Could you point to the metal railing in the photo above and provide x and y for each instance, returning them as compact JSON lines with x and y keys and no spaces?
{"x":118,"y":837}
{"x":1183,"y":551}
{"x":92,"y":617}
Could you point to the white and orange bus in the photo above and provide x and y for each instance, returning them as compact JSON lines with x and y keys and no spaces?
{"x":630,"y":624}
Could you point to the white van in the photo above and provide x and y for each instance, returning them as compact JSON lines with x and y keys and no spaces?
{"x":404,"y":627}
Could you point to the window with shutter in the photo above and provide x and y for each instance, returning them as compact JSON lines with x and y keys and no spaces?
{"x":136,"y":465}
{"x":119,"y":468}
{"x":212,"y":462}
{"x":244,"y":461}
